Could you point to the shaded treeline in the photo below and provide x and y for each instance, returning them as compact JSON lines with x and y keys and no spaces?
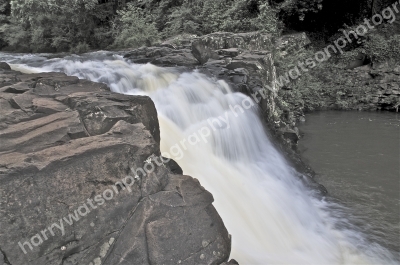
{"x":80,"y":25}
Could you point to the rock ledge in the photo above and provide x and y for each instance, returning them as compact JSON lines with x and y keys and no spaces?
{"x":65,"y":142}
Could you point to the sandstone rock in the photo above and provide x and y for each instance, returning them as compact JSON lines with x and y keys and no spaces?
{"x":17,"y":88}
{"x":65,"y":141}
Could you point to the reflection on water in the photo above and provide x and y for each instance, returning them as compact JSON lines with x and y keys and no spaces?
{"x":357,"y":158}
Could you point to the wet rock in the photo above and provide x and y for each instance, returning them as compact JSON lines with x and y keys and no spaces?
{"x":231,"y":262}
{"x":174,"y":167}
{"x":5,"y":66}
{"x":291,"y":134}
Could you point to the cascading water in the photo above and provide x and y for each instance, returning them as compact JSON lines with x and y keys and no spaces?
{"x":273,"y":218}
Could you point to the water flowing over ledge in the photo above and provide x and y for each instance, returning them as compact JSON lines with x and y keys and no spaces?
{"x":273,"y":218}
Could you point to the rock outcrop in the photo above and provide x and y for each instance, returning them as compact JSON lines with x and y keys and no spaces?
{"x":362,"y":88}
{"x":251,"y":41}
{"x":82,"y":180}
{"x":163,"y":56}
{"x":245,"y":61}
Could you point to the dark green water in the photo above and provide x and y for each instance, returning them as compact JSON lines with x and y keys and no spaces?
{"x":357,"y":158}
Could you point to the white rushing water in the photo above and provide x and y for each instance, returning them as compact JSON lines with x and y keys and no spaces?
{"x":272,"y":217}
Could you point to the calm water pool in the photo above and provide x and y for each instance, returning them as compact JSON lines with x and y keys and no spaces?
{"x":356,"y":156}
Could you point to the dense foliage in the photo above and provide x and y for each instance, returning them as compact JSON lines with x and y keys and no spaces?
{"x":4,"y":15}
{"x":173,"y":17}
{"x":133,"y":29}
{"x":56,"y":25}
{"x":81,"y":25}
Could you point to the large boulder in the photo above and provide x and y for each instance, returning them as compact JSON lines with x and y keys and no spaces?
{"x":202,"y":52}
{"x":82,"y":181}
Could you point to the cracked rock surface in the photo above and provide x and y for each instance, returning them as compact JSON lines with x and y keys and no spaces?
{"x":64,"y":141}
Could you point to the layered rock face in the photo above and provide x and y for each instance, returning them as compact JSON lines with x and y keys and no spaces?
{"x":363,"y":88}
{"x":245,"y":62}
{"x":82,"y":180}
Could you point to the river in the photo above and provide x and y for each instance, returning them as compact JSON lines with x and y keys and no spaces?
{"x":357,"y":158}
{"x":272,"y":216}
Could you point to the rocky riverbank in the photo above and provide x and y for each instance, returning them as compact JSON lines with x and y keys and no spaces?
{"x":68,"y":146}
{"x":364,"y":89}
{"x":246,"y":61}
{"x":65,"y":140}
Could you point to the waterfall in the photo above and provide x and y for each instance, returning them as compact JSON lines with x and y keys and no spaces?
{"x":216,"y":136}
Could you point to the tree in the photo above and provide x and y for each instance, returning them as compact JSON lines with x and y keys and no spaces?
{"x":133,"y":28}
{"x":58,"y":25}
{"x":203,"y":17}
{"x":296,"y":9}
{"x":5,"y":11}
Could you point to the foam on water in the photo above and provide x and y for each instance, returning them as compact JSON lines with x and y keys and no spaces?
{"x":272,"y":217}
